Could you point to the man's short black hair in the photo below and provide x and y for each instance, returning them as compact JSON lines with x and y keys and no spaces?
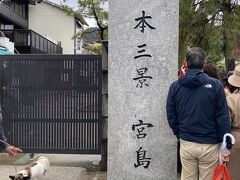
{"x":195,"y":58}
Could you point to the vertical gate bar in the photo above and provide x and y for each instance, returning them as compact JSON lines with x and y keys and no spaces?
{"x":26,"y":134}
{"x":74,"y":124}
{"x":18,"y":134}
{"x":80,"y":103}
{"x":80,"y":135}
{"x":42,"y":91}
{"x":37,"y":134}
{"x":94,"y":134}
{"x":50,"y":135}
{"x":84,"y":134}
{"x":71,"y":89}
{"x":34,"y":135}
{"x":87,"y":136}
{"x":30,"y":134}
{"x":80,"y":92}
{"x":79,"y":89}
{"x":13,"y":133}
{"x":16,"y":138}
{"x":30,"y":103}
{"x":24,"y":124}
{"x":84,"y":89}
{"x":38,"y":89}
{"x":46,"y":135}
{"x":48,"y":89}
{"x":65,"y":98}
{"x":62,"y":134}
{"x":24,"y":90}
{"x":23,"y":134}
{"x":58,"y":95}
{"x":56,"y":136}
{"x":90,"y":92}
{"x":59,"y":135}
{"x":53,"y":137}
{"x":70,"y":131}
{"x":68,"y":89}
{"x":92,"y":85}
{"x":65,"y":137}
{"x":90,"y":136}
{"x":55,"y":99}
{"x":70,"y":136}
{"x":74,"y":85}
{"x":62,"y":93}
{"x":43,"y":135}
{"x":99,"y":102}
{"x":88,"y":88}
{"x":40,"y":135}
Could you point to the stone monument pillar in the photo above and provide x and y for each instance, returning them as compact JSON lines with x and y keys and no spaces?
{"x":143,"y":56}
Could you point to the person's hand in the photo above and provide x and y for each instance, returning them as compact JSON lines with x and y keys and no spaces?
{"x":224,"y":155}
{"x":12,"y":151}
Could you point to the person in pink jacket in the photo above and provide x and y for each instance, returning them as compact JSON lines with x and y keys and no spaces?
{"x":233,"y":101}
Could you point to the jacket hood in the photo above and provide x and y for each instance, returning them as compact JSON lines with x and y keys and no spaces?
{"x":194,"y":78}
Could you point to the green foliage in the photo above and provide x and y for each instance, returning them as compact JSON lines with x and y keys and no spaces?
{"x":95,"y":48}
{"x":92,"y":9}
{"x":210,"y":24}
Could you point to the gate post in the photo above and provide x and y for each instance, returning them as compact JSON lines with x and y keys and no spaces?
{"x":103,"y":165}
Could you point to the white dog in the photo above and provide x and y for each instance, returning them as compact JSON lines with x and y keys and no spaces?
{"x":33,"y":171}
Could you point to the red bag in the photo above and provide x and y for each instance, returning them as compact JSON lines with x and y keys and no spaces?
{"x":222,"y":173}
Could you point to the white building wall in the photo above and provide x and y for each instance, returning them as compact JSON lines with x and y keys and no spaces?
{"x":53,"y":22}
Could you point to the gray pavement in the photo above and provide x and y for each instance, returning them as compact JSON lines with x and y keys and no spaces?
{"x":67,"y":167}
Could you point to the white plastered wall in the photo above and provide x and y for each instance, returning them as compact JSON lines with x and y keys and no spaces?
{"x":49,"y":20}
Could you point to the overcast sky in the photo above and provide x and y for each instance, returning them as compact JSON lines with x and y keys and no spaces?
{"x":71,"y":3}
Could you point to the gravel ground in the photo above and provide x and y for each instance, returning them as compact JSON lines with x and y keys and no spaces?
{"x":67,"y":167}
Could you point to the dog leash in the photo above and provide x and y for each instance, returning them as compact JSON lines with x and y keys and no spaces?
{"x":4,"y":142}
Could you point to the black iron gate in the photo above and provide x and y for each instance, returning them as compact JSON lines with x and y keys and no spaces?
{"x":53,"y":103}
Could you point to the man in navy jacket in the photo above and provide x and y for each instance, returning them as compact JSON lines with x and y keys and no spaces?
{"x":197,"y":113}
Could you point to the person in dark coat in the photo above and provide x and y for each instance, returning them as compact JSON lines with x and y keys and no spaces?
{"x":198,"y":114}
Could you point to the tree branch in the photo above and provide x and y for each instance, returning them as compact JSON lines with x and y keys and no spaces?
{"x":206,"y":19}
{"x":98,"y":22}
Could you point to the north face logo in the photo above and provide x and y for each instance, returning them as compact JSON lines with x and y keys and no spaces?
{"x":208,"y":86}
